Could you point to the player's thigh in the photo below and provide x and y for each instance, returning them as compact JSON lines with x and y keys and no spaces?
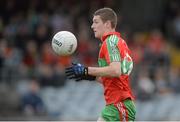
{"x":131,"y":109}
{"x":110,"y":113}
{"x":127,"y":110}
{"x":124,"y":111}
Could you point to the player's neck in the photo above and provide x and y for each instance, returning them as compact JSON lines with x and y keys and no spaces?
{"x":110,"y":30}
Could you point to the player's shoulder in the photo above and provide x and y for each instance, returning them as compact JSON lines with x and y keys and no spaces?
{"x":112,"y":39}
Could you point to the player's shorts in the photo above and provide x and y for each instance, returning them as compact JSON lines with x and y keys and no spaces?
{"x":122,"y":111}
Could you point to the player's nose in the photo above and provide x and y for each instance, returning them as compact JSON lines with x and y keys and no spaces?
{"x":92,"y":26}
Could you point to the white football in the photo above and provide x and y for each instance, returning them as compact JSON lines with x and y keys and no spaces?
{"x":64,"y":43}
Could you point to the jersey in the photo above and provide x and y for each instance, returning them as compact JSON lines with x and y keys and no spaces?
{"x":115,"y":49}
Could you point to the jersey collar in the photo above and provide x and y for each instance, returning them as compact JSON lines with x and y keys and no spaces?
{"x":108,"y":34}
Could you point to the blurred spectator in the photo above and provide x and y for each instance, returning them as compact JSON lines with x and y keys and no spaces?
{"x":12,"y":58}
{"x":48,"y":76}
{"x":161,"y":82}
{"x":176,"y":27}
{"x":175,"y":79}
{"x":47,"y":56}
{"x":42,"y":34}
{"x":156,"y":52}
{"x":30,"y":58}
{"x":61,"y":20}
{"x":146,"y":87}
{"x":138,"y":46}
{"x":32,"y":103}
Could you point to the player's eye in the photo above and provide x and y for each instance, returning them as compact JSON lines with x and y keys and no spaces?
{"x":96,"y":22}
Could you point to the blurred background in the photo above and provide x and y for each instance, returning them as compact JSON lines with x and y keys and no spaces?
{"x":33,"y":85}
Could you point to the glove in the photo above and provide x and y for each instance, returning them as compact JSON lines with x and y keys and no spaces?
{"x":78,"y":72}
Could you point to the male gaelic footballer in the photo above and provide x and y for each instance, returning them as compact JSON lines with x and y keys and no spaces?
{"x":115,"y":66}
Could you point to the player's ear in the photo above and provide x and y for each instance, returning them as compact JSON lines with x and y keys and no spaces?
{"x":108,"y":24}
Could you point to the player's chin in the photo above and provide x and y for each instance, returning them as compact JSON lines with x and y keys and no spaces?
{"x":96,"y":35}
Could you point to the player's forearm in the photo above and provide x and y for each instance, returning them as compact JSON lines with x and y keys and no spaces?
{"x":107,"y":71}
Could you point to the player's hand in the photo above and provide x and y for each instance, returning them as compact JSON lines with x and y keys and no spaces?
{"x":78,"y":72}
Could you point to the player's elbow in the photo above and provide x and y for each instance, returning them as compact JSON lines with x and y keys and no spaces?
{"x":116,"y":73}
{"x":115,"y":69}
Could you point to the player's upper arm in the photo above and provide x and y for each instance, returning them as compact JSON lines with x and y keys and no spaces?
{"x":118,"y":57}
{"x":112,"y":55}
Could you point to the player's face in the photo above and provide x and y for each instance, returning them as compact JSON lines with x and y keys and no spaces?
{"x":98,"y":26}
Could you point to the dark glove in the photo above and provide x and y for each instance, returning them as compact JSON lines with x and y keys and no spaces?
{"x":78,"y":72}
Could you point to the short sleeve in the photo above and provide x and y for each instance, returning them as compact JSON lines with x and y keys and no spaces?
{"x":111,"y":51}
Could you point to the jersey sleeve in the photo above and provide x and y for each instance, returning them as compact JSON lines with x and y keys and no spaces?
{"x":111,"y":51}
{"x":115,"y":51}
